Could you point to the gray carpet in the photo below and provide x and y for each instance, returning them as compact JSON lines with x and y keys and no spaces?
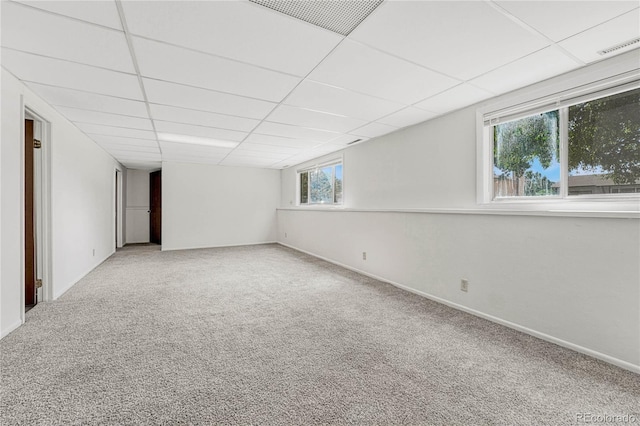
{"x":267,"y":335}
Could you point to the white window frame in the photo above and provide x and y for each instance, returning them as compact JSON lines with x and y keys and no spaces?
{"x":309,"y":168}
{"x":514,"y":107}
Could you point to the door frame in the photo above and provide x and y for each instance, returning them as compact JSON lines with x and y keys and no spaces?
{"x":119,"y":207}
{"x":42,"y":206}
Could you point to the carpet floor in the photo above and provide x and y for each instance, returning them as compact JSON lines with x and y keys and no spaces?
{"x":267,"y":335}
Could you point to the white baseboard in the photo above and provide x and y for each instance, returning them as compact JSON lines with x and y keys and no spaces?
{"x":73,"y":282}
{"x":220,"y":246}
{"x":543,"y":336}
{"x":9,"y":329}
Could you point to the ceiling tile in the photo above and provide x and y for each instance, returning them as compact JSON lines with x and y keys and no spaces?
{"x":462,"y":39}
{"x":587,"y":44}
{"x":170,"y":63}
{"x":202,"y":118}
{"x":97,"y":129}
{"x":256,"y":147}
{"x":199,"y":131}
{"x":105,"y":119}
{"x":161,"y":92}
{"x":314,"y":119}
{"x":234,"y":29}
{"x":64,"y":38}
{"x":289,"y":131}
{"x":280,"y":141}
{"x":322,"y":97}
{"x":123,"y":141}
{"x":116,"y":150}
{"x":536,"y":67}
{"x":236,"y":160}
{"x":142,"y":165}
{"x":58,"y":96}
{"x":56,"y":72}
{"x":458,"y":97}
{"x":136,"y":156}
{"x":190,"y":159}
{"x":99,"y":12}
{"x":561,"y":19}
{"x":407,"y":117}
{"x":174,"y":148}
{"x":373,"y":130}
{"x":275,"y":156}
{"x":363,"y":69}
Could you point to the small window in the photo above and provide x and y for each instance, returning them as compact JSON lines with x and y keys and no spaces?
{"x":321,"y":184}
{"x":579,"y":148}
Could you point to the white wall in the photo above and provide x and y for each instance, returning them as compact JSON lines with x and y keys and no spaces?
{"x":82,"y":201}
{"x":209,"y":206}
{"x":569,"y":279}
{"x":137,"y":202}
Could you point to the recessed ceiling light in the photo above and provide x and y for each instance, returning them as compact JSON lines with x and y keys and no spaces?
{"x":170,"y":137}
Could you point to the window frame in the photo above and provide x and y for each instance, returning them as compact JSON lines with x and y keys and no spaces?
{"x":308,"y":169}
{"x":512,"y":108}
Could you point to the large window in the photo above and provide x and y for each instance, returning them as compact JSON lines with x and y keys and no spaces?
{"x":586,"y":146}
{"x":321,"y":184}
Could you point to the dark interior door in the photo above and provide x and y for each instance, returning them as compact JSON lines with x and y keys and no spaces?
{"x":155,"y":220}
{"x":29,"y":233}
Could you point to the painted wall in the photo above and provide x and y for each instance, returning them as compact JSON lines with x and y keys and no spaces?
{"x":137,"y":211}
{"x":82,"y":201}
{"x":569,"y":277}
{"x":210,"y":206}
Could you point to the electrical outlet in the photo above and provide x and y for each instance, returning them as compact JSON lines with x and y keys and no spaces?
{"x":364,"y":255}
{"x":464,"y":285}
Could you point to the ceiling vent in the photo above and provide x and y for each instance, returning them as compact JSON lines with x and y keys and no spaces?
{"x":619,"y":46}
{"x":339,"y":16}
{"x":352,"y":142}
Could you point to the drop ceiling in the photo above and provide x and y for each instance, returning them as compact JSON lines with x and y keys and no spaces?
{"x":282,"y":89}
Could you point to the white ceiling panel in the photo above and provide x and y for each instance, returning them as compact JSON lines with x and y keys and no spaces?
{"x":538,"y":66}
{"x":275,"y":156}
{"x":161,"y":92}
{"x":234,"y":29}
{"x":462,"y":39}
{"x":202,"y":118}
{"x":170,"y":63}
{"x":288,"y":131}
{"x":97,"y":129}
{"x":238,"y":160}
{"x":142,"y":165}
{"x":175,"y":148}
{"x":314,"y":119}
{"x":105,"y":119}
{"x":407,"y":117}
{"x":256,"y":147}
{"x":56,"y":72}
{"x":586,"y":45}
{"x":59,"y":96}
{"x":122,"y":141}
{"x":322,"y":97}
{"x":350,"y":65}
{"x":373,"y":130}
{"x":561,"y":19}
{"x":199,"y":131}
{"x":137,"y":156}
{"x":97,"y":11}
{"x":64,"y":38}
{"x":458,"y":97}
{"x":114,"y":149}
{"x":280,"y":141}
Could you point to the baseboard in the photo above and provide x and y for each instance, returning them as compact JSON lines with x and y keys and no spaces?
{"x":9,"y":329}
{"x":57,"y":294}
{"x":220,"y":246}
{"x":560,"y":342}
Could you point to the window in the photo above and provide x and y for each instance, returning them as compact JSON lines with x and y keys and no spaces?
{"x":321,"y":184}
{"x":581,"y":146}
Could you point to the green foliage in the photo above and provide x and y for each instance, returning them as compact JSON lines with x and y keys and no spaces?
{"x":321,"y":186}
{"x":536,"y":184}
{"x":604,"y":136}
{"x":518,"y":143}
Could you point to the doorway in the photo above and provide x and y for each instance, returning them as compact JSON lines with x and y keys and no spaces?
{"x":30,"y":286}
{"x":119,"y":204}
{"x":155,"y":207}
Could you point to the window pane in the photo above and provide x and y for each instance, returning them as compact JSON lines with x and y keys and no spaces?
{"x":526,"y":157}
{"x":338,"y":185}
{"x":604,"y":145}
{"x":304,"y":188}
{"x":322,"y":185}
